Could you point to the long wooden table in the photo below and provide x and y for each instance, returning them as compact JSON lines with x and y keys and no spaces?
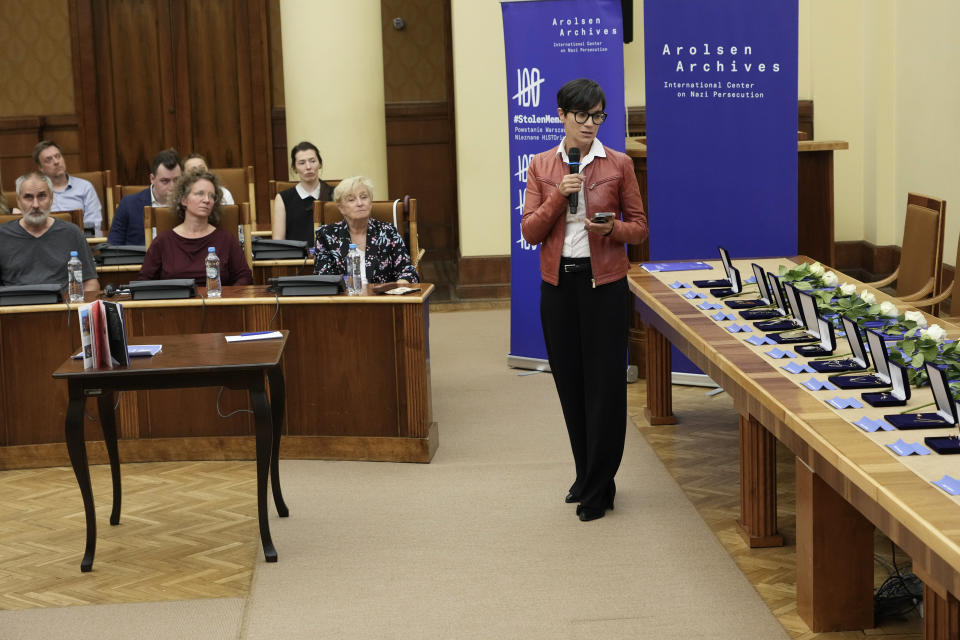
{"x":357,"y":373}
{"x":846,"y":484}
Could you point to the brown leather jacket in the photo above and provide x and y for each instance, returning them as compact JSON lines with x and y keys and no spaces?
{"x":609,"y":185}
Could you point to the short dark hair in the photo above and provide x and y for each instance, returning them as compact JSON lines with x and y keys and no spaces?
{"x":40,"y":147}
{"x":168,"y":158}
{"x":304,"y":146}
{"x":581,"y":94}
{"x":192,"y":156}
{"x":182,"y":188}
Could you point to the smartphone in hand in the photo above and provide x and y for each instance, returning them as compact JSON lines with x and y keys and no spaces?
{"x":602,"y":217}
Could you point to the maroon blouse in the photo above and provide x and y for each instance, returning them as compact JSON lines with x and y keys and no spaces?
{"x":173,"y":256}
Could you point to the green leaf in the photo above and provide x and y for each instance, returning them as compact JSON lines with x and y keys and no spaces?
{"x":917,"y":360}
{"x":908,"y":346}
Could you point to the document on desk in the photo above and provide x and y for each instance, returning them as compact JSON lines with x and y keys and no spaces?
{"x":254,"y":335}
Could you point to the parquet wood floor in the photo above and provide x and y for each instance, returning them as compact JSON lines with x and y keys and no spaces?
{"x":187,"y":530}
{"x":701,"y":452}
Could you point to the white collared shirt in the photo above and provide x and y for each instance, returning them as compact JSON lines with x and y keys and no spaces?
{"x":576,"y":244}
{"x":303,"y":193}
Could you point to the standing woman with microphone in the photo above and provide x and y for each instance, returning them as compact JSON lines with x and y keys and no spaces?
{"x":582,"y":215}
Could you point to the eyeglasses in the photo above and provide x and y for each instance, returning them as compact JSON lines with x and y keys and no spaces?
{"x":581,"y":117}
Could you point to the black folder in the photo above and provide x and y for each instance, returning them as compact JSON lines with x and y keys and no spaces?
{"x":31,"y":294}
{"x":175,"y":289}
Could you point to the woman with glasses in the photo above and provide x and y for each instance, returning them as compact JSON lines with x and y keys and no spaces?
{"x":182,"y":251}
{"x":582,"y":215}
{"x":293,"y":208}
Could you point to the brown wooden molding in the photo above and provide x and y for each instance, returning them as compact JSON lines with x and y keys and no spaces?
{"x":380,"y":449}
{"x":416,"y":109}
{"x":483,"y":277}
{"x":637,"y":119}
{"x":484,"y":269}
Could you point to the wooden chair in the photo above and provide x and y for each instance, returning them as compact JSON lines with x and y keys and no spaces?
{"x":921,"y":255}
{"x":276,"y":186}
{"x":75,"y":216}
{"x":11,"y":198}
{"x":241,"y":183}
{"x":102,"y":181}
{"x":951,"y":292}
{"x":234,"y":218}
{"x":402,"y":213}
{"x":121,"y":191}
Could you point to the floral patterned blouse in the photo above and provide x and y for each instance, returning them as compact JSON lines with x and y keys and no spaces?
{"x":387,"y":259}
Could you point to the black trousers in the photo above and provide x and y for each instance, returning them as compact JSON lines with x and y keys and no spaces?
{"x":586,"y":331}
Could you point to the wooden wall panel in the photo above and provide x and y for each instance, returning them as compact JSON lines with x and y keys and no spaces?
{"x":19,"y":135}
{"x":418,"y":90}
{"x":35,"y":58}
{"x":199,"y":81}
{"x":141,"y":108}
{"x":214,"y":80}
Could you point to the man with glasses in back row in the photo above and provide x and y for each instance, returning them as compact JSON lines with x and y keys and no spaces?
{"x":582,"y":214}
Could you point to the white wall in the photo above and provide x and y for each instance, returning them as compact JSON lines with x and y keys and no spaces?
{"x":333,"y":85}
{"x":882,"y":75}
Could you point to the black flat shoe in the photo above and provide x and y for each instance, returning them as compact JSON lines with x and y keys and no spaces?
{"x":589,"y":513}
{"x":571,"y":497}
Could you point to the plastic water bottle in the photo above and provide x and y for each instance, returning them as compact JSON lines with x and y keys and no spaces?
{"x":354,"y":273}
{"x":212,"y":266}
{"x":75,"y":277}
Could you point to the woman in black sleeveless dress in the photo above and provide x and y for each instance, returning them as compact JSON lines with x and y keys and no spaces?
{"x":293,"y":208}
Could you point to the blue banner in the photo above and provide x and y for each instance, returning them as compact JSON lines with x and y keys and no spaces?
{"x":721,"y":85}
{"x":547,"y":44}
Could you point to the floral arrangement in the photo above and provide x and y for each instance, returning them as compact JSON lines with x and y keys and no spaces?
{"x":919,"y":343}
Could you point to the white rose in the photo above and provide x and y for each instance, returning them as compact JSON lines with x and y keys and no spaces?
{"x":934,"y":331}
{"x":816,"y":269}
{"x":889,"y":309}
{"x":830,"y":279}
{"x":917,"y":317}
{"x":848,"y":289}
{"x":868,"y":297}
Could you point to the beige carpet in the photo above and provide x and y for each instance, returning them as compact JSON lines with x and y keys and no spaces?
{"x":477,"y":544}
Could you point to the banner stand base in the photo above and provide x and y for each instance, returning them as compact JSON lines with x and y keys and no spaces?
{"x":534,"y":364}
{"x":692,"y":379}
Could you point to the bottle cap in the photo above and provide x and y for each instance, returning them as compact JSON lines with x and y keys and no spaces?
{"x":353,"y":246}
{"x":73,"y":254}
{"x":211,"y":249}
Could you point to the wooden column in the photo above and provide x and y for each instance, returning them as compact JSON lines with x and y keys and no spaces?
{"x":941,"y":617}
{"x":758,"y":485}
{"x":834,"y":558}
{"x":659,"y":409}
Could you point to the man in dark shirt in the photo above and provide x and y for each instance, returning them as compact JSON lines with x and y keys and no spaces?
{"x":127,"y":225}
{"x":35,"y":249}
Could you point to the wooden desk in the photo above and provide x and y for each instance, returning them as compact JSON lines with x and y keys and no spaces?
{"x":846,"y":485}
{"x":198,"y":360}
{"x":357,"y":372}
{"x":263,"y":270}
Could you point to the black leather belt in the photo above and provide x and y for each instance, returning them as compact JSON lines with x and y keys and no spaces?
{"x":574,"y":265}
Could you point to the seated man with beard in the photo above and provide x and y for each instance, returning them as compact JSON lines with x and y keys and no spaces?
{"x":36,"y":248}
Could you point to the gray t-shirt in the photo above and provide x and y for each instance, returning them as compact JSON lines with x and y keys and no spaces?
{"x":28,"y":260}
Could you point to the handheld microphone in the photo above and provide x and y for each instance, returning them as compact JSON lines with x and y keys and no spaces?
{"x":574,"y":157}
